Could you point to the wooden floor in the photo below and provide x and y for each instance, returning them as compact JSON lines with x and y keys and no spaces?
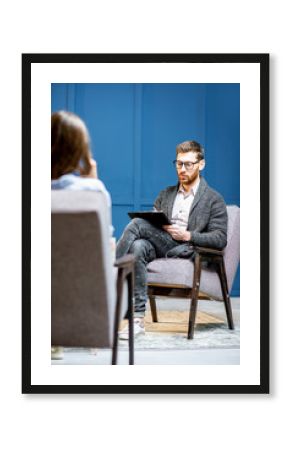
{"x":175,"y":321}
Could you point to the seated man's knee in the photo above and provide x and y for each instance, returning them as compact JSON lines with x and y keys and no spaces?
{"x":143,"y":250}
{"x":137,"y":247}
{"x":138,"y":222}
{"x":134,"y":225}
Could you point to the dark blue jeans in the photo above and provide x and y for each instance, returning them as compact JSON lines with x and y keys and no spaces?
{"x":146,"y":243}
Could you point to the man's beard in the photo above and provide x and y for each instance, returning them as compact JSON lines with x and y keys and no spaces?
{"x":188,"y":179}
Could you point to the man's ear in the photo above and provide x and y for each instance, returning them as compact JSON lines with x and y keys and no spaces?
{"x":201,"y":164}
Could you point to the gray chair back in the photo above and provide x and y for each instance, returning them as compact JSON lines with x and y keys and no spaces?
{"x":83,"y":296}
{"x":232,"y":250}
{"x":209,"y":283}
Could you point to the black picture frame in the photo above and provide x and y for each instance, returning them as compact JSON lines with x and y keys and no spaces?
{"x":263,"y":61}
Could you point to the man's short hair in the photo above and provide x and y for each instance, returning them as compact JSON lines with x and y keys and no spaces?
{"x":191,"y":146}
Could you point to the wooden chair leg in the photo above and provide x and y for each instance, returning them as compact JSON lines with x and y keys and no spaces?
{"x":117,"y":316}
{"x":153,"y":308}
{"x":115,"y":351}
{"x":226,"y":297}
{"x":131,"y":318}
{"x":194,"y":298}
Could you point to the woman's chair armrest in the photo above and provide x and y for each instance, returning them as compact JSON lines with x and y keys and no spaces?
{"x":125,"y":262}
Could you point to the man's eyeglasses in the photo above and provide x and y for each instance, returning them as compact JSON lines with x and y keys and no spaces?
{"x":189,"y":165}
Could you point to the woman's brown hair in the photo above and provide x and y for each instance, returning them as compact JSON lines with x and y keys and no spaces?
{"x":70,"y":146}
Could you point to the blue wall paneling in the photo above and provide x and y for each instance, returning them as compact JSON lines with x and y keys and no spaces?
{"x":134,"y":130}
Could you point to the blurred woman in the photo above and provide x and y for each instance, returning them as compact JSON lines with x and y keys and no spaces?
{"x":72,"y":165}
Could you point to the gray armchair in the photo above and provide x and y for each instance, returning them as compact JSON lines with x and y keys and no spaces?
{"x":87,"y":289}
{"x":210,"y":276}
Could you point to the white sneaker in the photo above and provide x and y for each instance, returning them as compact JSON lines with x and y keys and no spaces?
{"x":56,"y":353}
{"x":139,"y":328}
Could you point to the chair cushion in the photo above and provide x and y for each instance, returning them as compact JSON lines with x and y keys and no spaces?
{"x":177,"y":272}
{"x":174,"y":271}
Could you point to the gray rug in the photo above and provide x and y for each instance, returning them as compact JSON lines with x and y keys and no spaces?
{"x":206,"y":336}
{"x":210,"y":331}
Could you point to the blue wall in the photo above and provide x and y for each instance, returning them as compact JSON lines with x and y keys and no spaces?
{"x":134,"y":130}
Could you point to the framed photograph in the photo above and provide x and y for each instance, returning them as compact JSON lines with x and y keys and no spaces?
{"x":138,"y":110}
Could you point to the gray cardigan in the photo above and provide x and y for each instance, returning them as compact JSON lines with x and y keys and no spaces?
{"x":208,"y":218}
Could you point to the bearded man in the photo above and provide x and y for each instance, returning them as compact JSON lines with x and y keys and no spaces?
{"x":198,"y":217}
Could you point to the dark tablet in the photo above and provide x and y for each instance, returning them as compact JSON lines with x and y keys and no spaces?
{"x":157,"y":218}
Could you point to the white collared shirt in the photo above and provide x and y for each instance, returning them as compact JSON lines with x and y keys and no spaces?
{"x":182,"y":205}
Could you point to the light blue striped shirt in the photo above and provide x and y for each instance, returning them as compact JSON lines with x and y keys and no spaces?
{"x":74,"y":182}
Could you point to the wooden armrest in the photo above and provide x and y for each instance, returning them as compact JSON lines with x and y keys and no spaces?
{"x":126,"y":261}
{"x":208,"y":251}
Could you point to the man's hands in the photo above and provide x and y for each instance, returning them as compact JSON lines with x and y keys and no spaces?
{"x":177,"y":233}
